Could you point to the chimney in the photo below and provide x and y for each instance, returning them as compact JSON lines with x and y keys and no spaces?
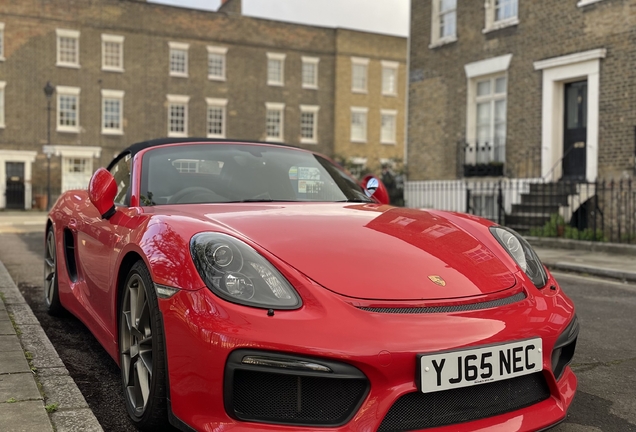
{"x":231,"y":7}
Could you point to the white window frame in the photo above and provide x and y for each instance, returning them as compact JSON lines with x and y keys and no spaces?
{"x":276,"y":57}
{"x":491,"y":22}
{"x":178,"y":46}
{"x":217,"y":51}
{"x":216,"y":103}
{"x":314,"y":110}
{"x":108,"y":38}
{"x":113,"y":95}
{"x":310,"y":61}
{"x":392,"y":113}
{"x":275,"y":106}
{"x":3,"y":84}
{"x":2,"y":58}
{"x":71,"y":34}
{"x":178,"y":100}
{"x":359,"y":110}
{"x":68,"y":91}
{"x":436,"y":25}
{"x":359,"y":61}
{"x":394,"y":66}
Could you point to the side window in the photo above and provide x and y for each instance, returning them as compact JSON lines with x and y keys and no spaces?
{"x":121,"y":172}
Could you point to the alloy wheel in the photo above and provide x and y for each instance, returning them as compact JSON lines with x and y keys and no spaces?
{"x":50,"y":276}
{"x":136,"y":344}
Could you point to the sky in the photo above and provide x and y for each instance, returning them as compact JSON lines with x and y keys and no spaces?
{"x":379,"y":16}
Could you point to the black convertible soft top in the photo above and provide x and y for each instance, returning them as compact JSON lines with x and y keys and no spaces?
{"x":137,"y":147}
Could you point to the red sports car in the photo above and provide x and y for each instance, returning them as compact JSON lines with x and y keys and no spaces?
{"x":252,"y":286}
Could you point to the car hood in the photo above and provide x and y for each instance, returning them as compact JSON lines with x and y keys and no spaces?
{"x":370,"y":251}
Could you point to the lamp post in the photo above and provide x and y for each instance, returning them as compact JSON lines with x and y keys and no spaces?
{"x":48,"y":91}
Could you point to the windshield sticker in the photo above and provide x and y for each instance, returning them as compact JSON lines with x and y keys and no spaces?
{"x":293,"y":173}
{"x":308,"y":173}
{"x":309,"y":186}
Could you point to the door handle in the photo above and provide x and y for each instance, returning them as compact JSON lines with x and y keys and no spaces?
{"x":72,"y":224}
{"x":579,"y":144}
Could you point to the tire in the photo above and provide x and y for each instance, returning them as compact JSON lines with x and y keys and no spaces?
{"x":51,"y":291}
{"x":142,"y":352}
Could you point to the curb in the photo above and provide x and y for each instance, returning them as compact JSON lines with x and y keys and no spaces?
{"x":69,"y":410}
{"x":591,"y":246}
{"x":624,"y":276}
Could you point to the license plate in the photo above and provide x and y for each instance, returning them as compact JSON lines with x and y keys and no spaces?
{"x":474,"y":366}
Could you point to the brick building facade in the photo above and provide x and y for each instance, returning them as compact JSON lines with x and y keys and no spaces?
{"x":127,"y":71}
{"x":523,"y":89}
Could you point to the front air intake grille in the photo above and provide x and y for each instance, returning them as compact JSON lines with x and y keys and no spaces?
{"x":448,"y":309}
{"x":293,"y":399}
{"x":426,"y":410}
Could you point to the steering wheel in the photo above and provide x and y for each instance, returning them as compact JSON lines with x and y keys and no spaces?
{"x":176,"y":198}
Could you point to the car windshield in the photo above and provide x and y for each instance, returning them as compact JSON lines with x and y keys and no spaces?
{"x":220,"y":173}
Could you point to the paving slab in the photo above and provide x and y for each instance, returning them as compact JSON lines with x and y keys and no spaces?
{"x":27,"y":416}
{"x":6,"y":327}
{"x":80,"y":420}
{"x":19,"y":386}
{"x":9,"y":343}
{"x":13,"y":362}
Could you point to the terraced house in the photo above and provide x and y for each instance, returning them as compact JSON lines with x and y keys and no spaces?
{"x":508,"y":93}
{"x":123,"y":71}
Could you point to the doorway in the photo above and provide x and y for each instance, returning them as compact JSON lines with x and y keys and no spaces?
{"x":575,"y":131}
{"x":15,"y":185}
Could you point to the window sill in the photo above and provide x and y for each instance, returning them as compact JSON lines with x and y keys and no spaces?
{"x":2,"y":58}
{"x":310,"y":87}
{"x":498,"y":25}
{"x":388,"y":142}
{"x":274,"y":139}
{"x":361,"y":91}
{"x":360,"y":141}
{"x":216,"y":136}
{"x":179,"y":74}
{"x":2,"y":125}
{"x":216,"y":78}
{"x":68,"y":65}
{"x":308,"y":141}
{"x":390,"y":94}
{"x":112,"y":69}
{"x":442,"y":41}
{"x":177,"y":135}
{"x":68,"y":129}
{"x":112,"y":132}
{"x":582,"y":3}
{"x":275,"y":84}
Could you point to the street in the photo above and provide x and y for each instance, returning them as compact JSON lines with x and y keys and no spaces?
{"x":605,"y":360}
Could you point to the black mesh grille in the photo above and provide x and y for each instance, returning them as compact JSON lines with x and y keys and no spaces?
{"x":425,"y":410}
{"x":280,"y":398}
{"x":446,"y":309}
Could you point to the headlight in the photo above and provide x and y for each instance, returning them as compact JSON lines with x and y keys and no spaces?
{"x":236,"y":272}
{"x":522,"y":253}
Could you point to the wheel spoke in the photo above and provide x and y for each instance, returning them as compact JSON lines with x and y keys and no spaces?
{"x":144,"y":382}
{"x":145,"y":358}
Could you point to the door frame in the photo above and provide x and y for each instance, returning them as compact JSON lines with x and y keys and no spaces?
{"x":557,"y":72}
{"x":26,"y":157}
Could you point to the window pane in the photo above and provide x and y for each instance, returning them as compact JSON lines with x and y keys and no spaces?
{"x":1,"y":106}
{"x":309,"y":74}
{"x":178,"y":61}
{"x":216,"y":63}
{"x":273,"y":123}
{"x":177,"y":118}
{"x":446,"y":5}
{"x":112,"y":114}
{"x":68,"y":110}
{"x":112,"y":54}
{"x":359,"y":77}
{"x":358,"y":126}
{"x":483,"y":88}
{"x":388,"y":128}
{"x":500,"y":85}
{"x":68,"y":50}
{"x":447,"y":24}
{"x":275,"y":71}
{"x":505,"y":9}
{"x":215,"y":121}
{"x":307,"y":125}
{"x":388,"y":80}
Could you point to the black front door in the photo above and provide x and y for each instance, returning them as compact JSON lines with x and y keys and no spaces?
{"x":575,"y":131}
{"x":15,"y":185}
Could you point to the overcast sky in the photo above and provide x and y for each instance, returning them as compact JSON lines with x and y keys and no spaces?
{"x":380,"y":16}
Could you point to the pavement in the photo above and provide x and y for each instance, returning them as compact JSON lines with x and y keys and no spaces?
{"x":37,"y":393}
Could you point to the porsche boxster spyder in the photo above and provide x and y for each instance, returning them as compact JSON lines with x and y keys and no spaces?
{"x":256,"y":286}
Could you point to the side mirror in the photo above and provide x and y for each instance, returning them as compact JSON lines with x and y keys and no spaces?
{"x":376,"y":189}
{"x":102,"y":191}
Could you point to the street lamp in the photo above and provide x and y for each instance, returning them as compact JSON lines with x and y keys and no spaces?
{"x":48,"y":91}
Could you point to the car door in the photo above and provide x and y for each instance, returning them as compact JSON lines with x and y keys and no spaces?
{"x":98,"y":241}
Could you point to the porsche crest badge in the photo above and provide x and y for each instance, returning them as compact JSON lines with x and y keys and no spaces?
{"x":437,"y":280}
